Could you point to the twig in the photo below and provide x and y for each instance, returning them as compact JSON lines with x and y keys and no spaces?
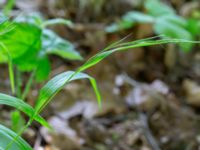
{"x":147,"y":132}
{"x":143,"y":117}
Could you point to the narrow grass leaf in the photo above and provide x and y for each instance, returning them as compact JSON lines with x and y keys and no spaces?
{"x":128,"y":45}
{"x":22,"y":106}
{"x":7,"y":135}
{"x":57,"y":83}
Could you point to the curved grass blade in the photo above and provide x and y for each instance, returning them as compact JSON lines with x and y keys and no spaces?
{"x":57,"y":83}
{"x":22,"y":106}
{"x":6,"y":136}
{"x":128,"y":45}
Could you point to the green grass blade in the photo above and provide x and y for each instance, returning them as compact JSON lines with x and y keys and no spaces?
{"x":6,"y":136}
{"x":22,"y":106}
{"x":128,"y":45}
{"x":57,"y":83}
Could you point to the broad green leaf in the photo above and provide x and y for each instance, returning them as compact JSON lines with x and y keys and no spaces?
{"x":157,"y":8}
{"x":29,"y":60}
{"x":120,"y":25}
{"x":53,"y":44}
{"x":20,"y":41}
{"x":193,"y":25}
{"x":173,"y":30}
{"x":134,"y":16}
{"x":43,"y":69}
{"x":7,"y":135}
{"x":5,"y":25}
{"x":22,"y":106}
{"x":174,"y":19}
{"x":129,"y":20}
{"x":57,"y":83}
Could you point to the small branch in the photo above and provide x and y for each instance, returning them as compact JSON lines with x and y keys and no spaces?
{"x":147,"y":132}
{"x":143,"y":117}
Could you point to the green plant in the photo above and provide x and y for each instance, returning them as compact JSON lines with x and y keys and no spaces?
{"x":165,"y":22}
{"x":11,"y":31}
{"x":26,"y":51}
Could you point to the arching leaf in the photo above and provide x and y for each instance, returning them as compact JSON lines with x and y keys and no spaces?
{"x":7,"y":136}
{"x":22,"y":106}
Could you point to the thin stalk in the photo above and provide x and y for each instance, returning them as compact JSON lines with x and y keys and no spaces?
{"x":18,"y":84}
{"x":8,"y":7}
{"x":23,"y":96}
{"x":10,"y":68}
{"x":28,"y":85}
{"x":11,"y":76}
{"x":19,"y":133}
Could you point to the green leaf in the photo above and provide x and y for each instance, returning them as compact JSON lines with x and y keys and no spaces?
{"x":6,"y":136}
{"x":174,"y":19}
{"x":174,"y":29}
{"x":22,"y":106}
{"x":120,"y":25}
{"x":17,"y":121}
{"x":43,"y":69}
{"x":20,"y":41}
{"x":57,"y":83}
{"x":53,"y":44}
{"x":156,"y":8}
{"x":134,"y":16}
{"x":29,"y":60}
{"x":193,"y":26}
{"x":5,"y":25}
{"x":129,"y":20}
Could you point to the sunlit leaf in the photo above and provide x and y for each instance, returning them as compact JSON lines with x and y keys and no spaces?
{"x":20,"y":41}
